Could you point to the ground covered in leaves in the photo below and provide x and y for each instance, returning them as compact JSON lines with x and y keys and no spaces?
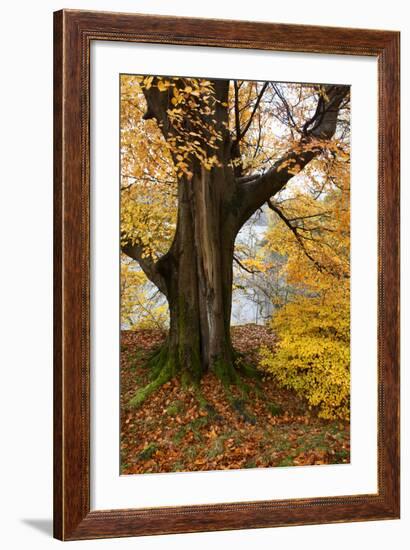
{"x":176,"y":429}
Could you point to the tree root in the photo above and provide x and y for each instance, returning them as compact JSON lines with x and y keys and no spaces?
{"x":164,"y":365}
{"x":141,"y":395}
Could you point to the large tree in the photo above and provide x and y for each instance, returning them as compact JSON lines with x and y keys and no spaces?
{"x":207,"y":129}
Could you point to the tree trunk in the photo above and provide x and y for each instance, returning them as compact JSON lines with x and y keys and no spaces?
{"x":199,"y":282}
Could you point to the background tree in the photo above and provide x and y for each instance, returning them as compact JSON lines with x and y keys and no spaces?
{"x":311,"y":230}
{"x":214,"y":152}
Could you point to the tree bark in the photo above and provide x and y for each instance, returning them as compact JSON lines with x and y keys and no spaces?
{"x":200,"y":279}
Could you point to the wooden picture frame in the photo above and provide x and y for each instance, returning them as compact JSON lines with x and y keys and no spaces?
{"x":73,"y":33}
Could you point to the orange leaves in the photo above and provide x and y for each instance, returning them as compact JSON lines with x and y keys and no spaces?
{"x":207,"y":433}
{"x":147,"y":82}
{"x":163,"y":85}
{"x":310,"y":458}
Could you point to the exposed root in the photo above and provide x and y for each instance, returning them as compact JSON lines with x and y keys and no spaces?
{"x":234,"y":375}
{"x":227,"y":373}
{"x":163,"y":366}
{"x":240,"y":406}
{"x":165,"y":374}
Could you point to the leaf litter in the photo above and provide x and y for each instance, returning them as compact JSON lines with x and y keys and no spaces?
{"x":179,"y":429}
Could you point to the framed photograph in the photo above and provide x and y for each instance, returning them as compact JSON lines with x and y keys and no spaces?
{"x":226,"y":275}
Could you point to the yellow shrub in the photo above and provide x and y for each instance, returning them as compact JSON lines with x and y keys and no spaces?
{"x":313,"y":352}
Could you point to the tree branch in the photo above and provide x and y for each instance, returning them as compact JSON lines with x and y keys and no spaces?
{"x":258,"y":100}
{"x":158,"y":103}
{"x":242,"y":266}
{"x":256,"y":191}
{"x":289,"y":115}
{"x":147,"y":264}
{"x":236,"y":108}
{"x":294,"y":230}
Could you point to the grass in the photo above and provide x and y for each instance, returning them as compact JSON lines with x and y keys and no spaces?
{"x":148,"y":451}
{"x":175,"y":408}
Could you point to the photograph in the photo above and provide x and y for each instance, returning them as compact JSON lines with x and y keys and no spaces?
{"x":234,"y":274}
{"x":226,"y":209}
{"x":204,"y":216}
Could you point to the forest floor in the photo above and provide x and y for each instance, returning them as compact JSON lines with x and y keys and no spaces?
{"x":175,"y":431}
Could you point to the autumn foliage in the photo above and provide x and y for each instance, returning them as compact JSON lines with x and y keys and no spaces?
{"x":312,"y":356}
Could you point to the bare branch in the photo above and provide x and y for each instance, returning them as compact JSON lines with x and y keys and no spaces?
{"x":236,"y":107}
{"x":255,"y":191}
{"x":251,"y":271}
{"x":294,"y":230}
{"x":256,"y":105}
{"x":147,"y":264}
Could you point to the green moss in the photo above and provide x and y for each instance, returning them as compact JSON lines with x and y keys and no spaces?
{"x":218,"y":446}
{"x":190,"y":379}
{"x":124,"y":467}
{"x":158,"y":361}
{"x":189,"y":346}
{"x":286,"y":461}
{"x":179,"y":435}
{"x":196,"y":425}
{"x":341,"y":456}
{"x":165,"y":374}
{"x":248,"y":370}
{"x":225,"y":372}
{"x":175,"y":408}
{"x":191,"y":453}
{"x":274,"y":409}
{"x":147,"y":452}
{"x":178,"y":466}
{"x":283,"y":444}
{"x":203,"y":403}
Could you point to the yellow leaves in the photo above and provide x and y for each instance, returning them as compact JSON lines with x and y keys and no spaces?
{"x":256,"y":264}
{"x":294,"y":170}
{"x":210,"y":162}
{"x":191,"y":136}
{"x":148,"y":179}
{"x":163,"y":85}
{"x":290,"y":165}
{"x":320,"y":214}
{"x":313,"y":352}
{"x":322,"y":92}
{"x":139,"y":309}
{"x":178,"y":96}
{"x":147,"y":82}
